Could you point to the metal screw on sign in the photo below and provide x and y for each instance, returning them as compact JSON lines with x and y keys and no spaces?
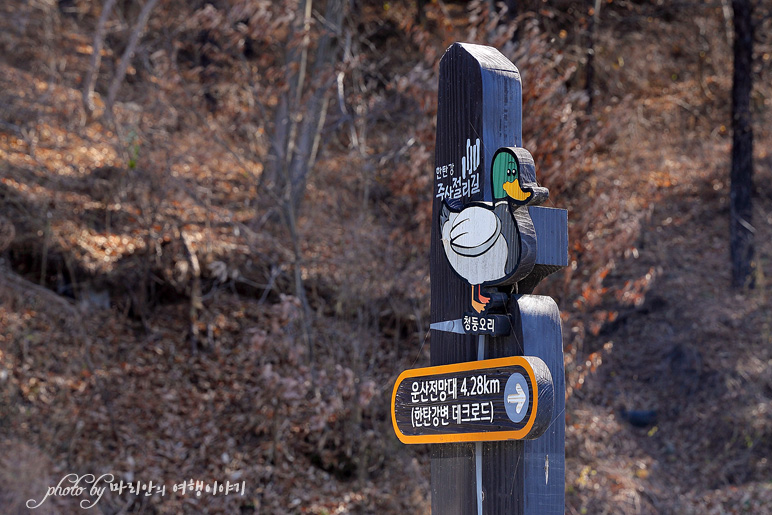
{"x":493,"y":402}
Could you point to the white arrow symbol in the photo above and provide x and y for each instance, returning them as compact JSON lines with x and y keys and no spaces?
{"x":517,"y":398}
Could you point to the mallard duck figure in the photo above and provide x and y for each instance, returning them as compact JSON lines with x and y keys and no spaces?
{"x":493,"y":244}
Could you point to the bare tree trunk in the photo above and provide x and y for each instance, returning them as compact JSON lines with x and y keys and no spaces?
{"x":275,"y":177}
{"x":298,"y":124}
{"x":302,"y":109}
{"x":120,"y":74}
{"x":726,"y":9}
{"x":96,"y":58}
{"x":741,"y":230}
{"x":196,"y":304}
{"x":286,"y":118}
{"x":315,"y":108}
{"x":590,"y":68}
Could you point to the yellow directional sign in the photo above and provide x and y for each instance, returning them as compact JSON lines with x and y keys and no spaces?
{"x":496,"y":399}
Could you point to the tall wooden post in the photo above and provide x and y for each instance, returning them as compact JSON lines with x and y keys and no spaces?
{"x":479,"y":112}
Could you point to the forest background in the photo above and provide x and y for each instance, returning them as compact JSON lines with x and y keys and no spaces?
{"x":214,"y":227}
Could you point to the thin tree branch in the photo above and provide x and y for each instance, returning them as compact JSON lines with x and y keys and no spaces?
{"x":96,"y":58}
{"x":120,"y":74}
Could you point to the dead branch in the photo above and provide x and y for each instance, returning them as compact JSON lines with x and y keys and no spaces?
{"x":96,"y":58}
{"x":195,"y":289}
{"x":120,"y":74}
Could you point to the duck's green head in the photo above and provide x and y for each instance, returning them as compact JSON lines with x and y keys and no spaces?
{"x":505,"y":177}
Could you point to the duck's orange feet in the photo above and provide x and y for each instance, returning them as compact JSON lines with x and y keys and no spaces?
{"x":479,"y":301}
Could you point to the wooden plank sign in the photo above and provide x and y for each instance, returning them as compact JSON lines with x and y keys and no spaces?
{"x":498,"y":399}
{"x":491,"y":244}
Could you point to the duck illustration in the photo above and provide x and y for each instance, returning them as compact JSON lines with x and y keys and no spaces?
{"x":493,"y":244}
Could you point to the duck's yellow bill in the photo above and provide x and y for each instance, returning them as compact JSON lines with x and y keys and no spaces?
{"x":514,"y":190}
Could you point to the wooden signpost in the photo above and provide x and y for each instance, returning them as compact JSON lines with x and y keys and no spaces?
{"x":498,"y":444}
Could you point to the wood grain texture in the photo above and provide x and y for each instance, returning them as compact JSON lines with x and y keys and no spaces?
{"x":453,"y":470}
{"x":545,"y":414}
{"x":479,"y":96}
{"x":543,"y":338}
{"x":551,"y":228}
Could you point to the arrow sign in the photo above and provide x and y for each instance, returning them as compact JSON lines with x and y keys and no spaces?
{"x":518,"y":398}
{"x":496,"y":399}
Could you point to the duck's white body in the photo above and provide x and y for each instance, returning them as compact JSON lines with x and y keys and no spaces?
{"x":474,"y":244}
